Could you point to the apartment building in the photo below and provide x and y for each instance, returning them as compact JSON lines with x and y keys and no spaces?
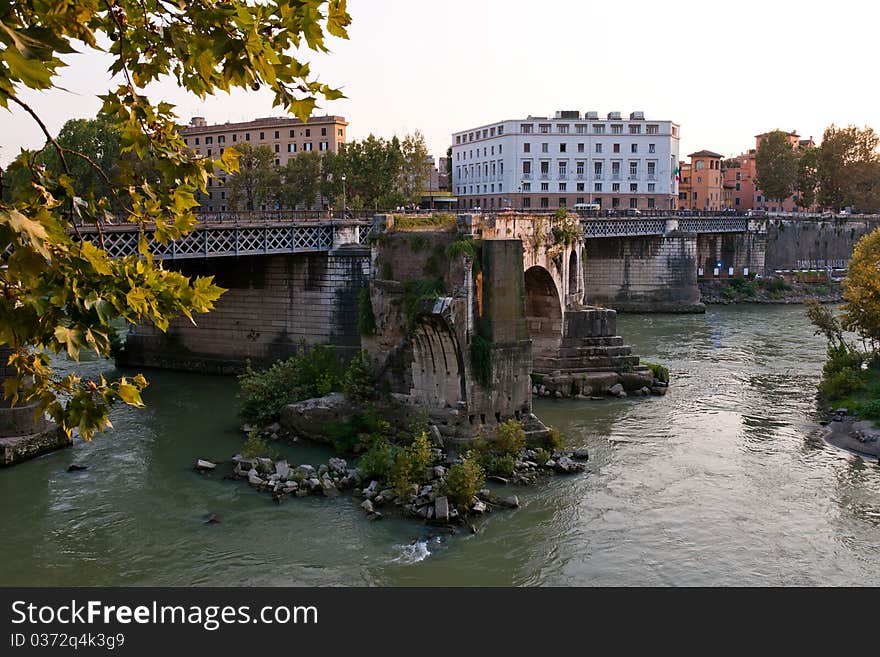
{"x":286,"y":137}
{"x":546,"y":163}
{"x":701,"y":186}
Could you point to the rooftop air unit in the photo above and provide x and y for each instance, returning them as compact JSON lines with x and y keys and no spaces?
{"x":592,"y":116}
{"x":568,"y":114}
{"x":637,"y":116}
{"x":614,"y":116}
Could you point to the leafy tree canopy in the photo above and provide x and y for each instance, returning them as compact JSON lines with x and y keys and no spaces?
{"x":777,"y":168}
{"x":59,"y":291}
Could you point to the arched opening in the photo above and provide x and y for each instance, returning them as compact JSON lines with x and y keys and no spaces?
{"x":543,"y":311}
{"x":437,"y":366}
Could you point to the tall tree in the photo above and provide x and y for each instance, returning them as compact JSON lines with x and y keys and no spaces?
{"x":254,"y":182}
{"x":808,"y":177}
{"x":301,"y":180}
{"x":848,"y":167}
{"x":776,"y":164}
{"x":415,"y":167}
{"x":63,"y":294}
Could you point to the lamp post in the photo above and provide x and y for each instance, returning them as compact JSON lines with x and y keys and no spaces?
{"x":343,"y":195}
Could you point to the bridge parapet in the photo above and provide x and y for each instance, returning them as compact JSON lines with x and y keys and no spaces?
{"x":224,"y":240}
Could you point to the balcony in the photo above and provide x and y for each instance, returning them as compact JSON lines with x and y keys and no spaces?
{"x":562,"y":176}
{"x":633,"y":176}
{"x":526,"y":176}
{"x":545,"y":176}
{"x":615,"y":176}
{"x":580,"y":176}
{"x":652,"y":176}
{"x":597,"y":175}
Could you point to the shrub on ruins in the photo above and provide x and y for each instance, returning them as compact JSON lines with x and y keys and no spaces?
{"x":510,"y":438}
{"x":366,"y":317}
{"x":359,"y":380}
{"x":255,"y":446}
{"x":555,"y":441}
{"x":410,"y":464}
{"x":379,"y":459}
{"x":310,"y":373}
{"x":62,"y":292}
{"x":463,"y":481}
{"x":660,"y":372}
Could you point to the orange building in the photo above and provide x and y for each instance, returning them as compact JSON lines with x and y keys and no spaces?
{"x":700,"y":187}
{"x":740,"y":180}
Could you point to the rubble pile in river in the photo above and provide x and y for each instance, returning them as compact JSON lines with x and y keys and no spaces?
{"x":425,"y":501}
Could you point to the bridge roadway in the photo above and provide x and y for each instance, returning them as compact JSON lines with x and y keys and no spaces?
{"x":272,"y":233}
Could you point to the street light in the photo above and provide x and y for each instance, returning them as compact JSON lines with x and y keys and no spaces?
{"x":343,"y":195}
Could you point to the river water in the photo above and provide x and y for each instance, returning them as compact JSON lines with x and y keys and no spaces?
{"x":725,"y":481}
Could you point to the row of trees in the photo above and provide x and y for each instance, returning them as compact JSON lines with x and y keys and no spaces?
{"x":377,"y":173}
{"x":843,"y":171}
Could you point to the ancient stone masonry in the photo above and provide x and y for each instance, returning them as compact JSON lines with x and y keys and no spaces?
{"x":434,"y":314}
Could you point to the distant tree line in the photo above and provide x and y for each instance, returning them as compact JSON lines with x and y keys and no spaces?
{"x":378,"y":173}
{"x":843,"y":171}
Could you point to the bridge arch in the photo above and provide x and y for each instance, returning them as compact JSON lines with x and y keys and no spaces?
{"x":543,"y":309}
{"x":437,"y":367}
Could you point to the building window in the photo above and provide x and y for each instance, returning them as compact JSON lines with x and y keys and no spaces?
{"x":323,"y":145}
{"x":545,"y":148}
{"x":247,"y":136}
{"x":526,"y":128}
{"x":633,"y":187}
{"x":527,"y":187}
{"x":277,"y":163}
{"x":579,"y":167}
{"x":562,"y":128}
{"x":197,"y":141}
{"x":222,"y":195}
{"x":738,"y":175}
{"x":209,"y":151}
{"x":563,"y":187}
{"x":736,"y":201}
{"x":597,"y":169}
{"x":615,"y":148}
{"x":598,"y":148}
{"x":291,"y":148}
{"x":580,"y":148}
{"x":561,"y":201}
{"x":544,"y":128}
{"x":580,"y":199}
{"x":651,"y":187}
{"x":580,"y":129}
{"x":597,"y":187}
{"x":262,"y":136}
{"x":339,"y":132}
{"x":737,"y":187}
{"x":234,"y":138}
{"x":598,"y":129}
{"x":633,"y":148}
{"x":545,"y":187}
{"x":651,"y":148}
{"x":276,"y":134}
{"x":652,"y":169}
{"x":580,"y":187}
{"x":652,"y":129}
{"x":527,"y":167}
{"x":634,"y":203}
{"x":617,"y":129}
{"x":323,"y":132}
{"x":651,"y":204}
{"x":561,"y":148}
{"x":615,"y":169}
{"x":527,"y":147}
{"x":277,"y":148}
{"x":545,"y":168}
{"x":635,"y":129}
{"x":308,"y":132}
{"x":545,"y":202}
{"x":615,"y":187}
{"x":307,"y":146}
{"x":615,"y":202}
{"x":221,"y":139}
{"x":209,"y":140}
{"x":527,"y":202}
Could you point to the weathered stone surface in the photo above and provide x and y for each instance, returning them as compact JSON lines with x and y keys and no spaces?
{"x":441,"y":509}
{"x":580,"y":453}
{"x":367,"y":506}
{"x":15,"y":449}
{"x":282,"y":469}
{"x":204,"y":465}
{"x":309,"y":418}
{"x":567,"y":466}
{"x":337,"y":465}
{"x":616,"y":389}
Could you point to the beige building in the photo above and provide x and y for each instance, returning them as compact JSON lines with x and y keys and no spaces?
{"x":286,"y":137}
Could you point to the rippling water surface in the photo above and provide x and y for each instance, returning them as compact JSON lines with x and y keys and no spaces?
{"x":725,"y":481}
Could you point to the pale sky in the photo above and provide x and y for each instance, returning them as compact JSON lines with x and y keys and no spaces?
{"x":724,"y":71}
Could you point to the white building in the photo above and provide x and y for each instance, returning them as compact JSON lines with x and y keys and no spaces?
{"x":543,"y":163}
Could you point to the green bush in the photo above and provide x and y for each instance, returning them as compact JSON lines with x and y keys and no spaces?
{"x":255,"y":446}
{"x":739,"y":288}
{"x":841,"y":357}
{"x":503,"y":466}
{"x":361,"y":430}
{"x":660,"y":372}
{"x":463,"y":481}
{"x":359,"y":380}
{"x":366,"y":318}
{"x":510,"y":438}
{"x":312,"y":373}
{"x":839,"y":384}
{"x":410,"y":465}
{"x":555,"y":442}
{"x":378,"y":461}
{"x":461,"y":247}
{"x":541,"y":456}
{"x":871,"y":410}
